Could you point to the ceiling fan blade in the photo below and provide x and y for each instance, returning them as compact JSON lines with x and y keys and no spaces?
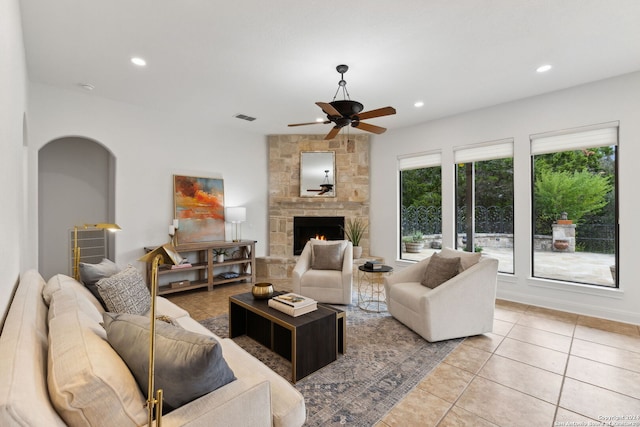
{"x":332,"y":134}
{"x":385,"y":111}
{"x":310,"y":123}
{"x":329,"y":109}
{"x":369,"y":128}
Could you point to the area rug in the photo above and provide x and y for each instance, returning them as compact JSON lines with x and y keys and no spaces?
{"x":384,"y":360}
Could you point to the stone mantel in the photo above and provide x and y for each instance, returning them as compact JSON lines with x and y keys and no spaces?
{"x":352,"y":185}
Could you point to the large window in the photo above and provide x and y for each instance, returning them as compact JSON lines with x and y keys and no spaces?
{"x":420,"y":205}
{"x":484,"y":201}
{"x":575,"y":232}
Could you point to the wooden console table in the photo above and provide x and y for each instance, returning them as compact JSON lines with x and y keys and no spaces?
{"x":241,"y":260}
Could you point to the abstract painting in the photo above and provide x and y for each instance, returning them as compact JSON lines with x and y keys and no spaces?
{"x":199,"y":207}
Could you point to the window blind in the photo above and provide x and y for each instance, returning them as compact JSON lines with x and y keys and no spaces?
{"x":486,"y":151}
{"x":418,"y":161}
{"x":575,"y":140}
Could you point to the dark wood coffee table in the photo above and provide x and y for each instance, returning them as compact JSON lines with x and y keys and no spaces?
{"x":310,"y":341}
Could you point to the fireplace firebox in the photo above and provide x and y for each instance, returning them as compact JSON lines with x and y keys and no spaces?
{"x":316,"y":227}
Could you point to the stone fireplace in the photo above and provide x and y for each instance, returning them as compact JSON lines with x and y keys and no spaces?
{"x":351,"y":196}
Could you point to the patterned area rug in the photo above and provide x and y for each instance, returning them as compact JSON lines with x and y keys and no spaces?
{"x":384,"y":360}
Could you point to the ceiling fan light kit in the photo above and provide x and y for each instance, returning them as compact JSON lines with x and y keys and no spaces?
{"x":346,"y":112}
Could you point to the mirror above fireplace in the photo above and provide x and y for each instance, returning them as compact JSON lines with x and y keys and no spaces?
{"x":317,"y":174}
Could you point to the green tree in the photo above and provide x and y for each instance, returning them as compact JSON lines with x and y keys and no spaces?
{"x":422,"y":187}
{"x":595,"y":160}
{"x":493,"y":183}
{"x":576,"y":193}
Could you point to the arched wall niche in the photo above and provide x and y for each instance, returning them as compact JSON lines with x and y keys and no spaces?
{"x":76,"y":186}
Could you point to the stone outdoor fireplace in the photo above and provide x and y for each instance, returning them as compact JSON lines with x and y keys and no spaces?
{"x":316,"y":227}
{"x":351,"y":197}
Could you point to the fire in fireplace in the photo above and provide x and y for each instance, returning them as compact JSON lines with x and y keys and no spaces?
{"x":316,"y":227}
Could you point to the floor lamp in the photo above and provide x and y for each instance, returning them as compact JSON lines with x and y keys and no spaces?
{"x":76,"y":248}
{"x":161,"y":255}
{"x":236,"y":216}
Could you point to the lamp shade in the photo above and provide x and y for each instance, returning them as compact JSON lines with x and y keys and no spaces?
{"x":236,"y":214}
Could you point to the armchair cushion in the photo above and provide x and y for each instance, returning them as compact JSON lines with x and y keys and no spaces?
{"x":440,"y":269}
{"x":327,"y":257}
{"x":467,"y":259}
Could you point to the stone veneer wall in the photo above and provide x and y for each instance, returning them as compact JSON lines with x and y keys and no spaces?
{"x":351,"y":184}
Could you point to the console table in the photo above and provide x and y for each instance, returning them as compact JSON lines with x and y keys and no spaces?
{"x":242,"y":260}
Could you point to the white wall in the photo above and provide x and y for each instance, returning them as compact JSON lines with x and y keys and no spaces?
{"x":13,"y":96}
{"x":604,"y":101}
{"x":74,"y":188}
{"x":149,"y":148}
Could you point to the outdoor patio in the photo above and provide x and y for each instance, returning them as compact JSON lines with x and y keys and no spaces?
{"x":582,"y":267}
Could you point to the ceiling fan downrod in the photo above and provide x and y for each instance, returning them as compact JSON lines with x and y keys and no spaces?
{"x":342,"y":83}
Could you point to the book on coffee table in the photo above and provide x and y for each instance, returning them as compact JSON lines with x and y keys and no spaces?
{"x":293,"y":304}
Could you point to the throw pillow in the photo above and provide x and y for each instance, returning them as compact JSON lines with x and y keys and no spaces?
{"x":125,"y":292}
{"x":326,"y":257}
{"x":187,"y":364}
{"x":439,"y":270}
{"x":90,"y":274}
{"x":467,"y":259}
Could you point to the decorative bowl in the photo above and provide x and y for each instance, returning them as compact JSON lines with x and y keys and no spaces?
{"x":262,"y":290}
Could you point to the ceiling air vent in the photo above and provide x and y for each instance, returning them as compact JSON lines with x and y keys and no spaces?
{"x":244,"y":117}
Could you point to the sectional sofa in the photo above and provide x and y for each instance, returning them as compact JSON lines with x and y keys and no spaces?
{"x":57,"y":368}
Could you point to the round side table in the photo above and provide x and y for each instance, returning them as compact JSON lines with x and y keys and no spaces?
{"x":371,"y":288}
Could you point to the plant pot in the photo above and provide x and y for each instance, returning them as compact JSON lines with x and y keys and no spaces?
{"x":561,"y":245}
{"x":414,"y":247}
{"x":220,"y":258}
{"x":357,"y":252}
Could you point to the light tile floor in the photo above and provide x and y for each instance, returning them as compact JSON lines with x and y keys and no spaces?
{"x":538,"y":367}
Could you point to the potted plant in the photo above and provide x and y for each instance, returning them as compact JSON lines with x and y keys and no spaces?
{"x":220,"y":253}
{"x":414,"y":243}
{"x":353,"y":231}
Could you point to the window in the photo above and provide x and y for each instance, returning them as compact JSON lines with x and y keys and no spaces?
{"x":484,"y":200}
{"x":420,"y":205}
{"x":575,"y":224}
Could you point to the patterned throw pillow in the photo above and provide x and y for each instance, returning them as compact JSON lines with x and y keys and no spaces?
{"x":125,"y":292}
{"x":439,"y":270}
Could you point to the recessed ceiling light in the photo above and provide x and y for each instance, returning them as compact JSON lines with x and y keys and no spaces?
{"x":319,"y":120}
{"x":138,"y":61}
{"x":418,"y":104}
{"x":543,"y":68}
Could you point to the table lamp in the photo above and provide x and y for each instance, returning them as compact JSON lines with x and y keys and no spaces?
{"x":236,"y":215}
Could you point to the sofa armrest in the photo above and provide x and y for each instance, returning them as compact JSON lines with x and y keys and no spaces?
{"x":302,"y":265}
{"x":465,"y":302}
{"x":243,"y":402}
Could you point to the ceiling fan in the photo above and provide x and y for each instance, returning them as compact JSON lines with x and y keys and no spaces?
{"x":347,"y":112}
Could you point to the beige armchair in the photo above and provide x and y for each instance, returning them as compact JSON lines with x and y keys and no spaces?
{"x":324,"y":271}
{"x":461,"y":306}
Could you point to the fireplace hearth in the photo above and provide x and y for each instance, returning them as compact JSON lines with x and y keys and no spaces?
{"x":316,"y":227}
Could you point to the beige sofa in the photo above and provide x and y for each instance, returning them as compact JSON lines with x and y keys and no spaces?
{"x":257,"y":397}
{"x":460,"y":307}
